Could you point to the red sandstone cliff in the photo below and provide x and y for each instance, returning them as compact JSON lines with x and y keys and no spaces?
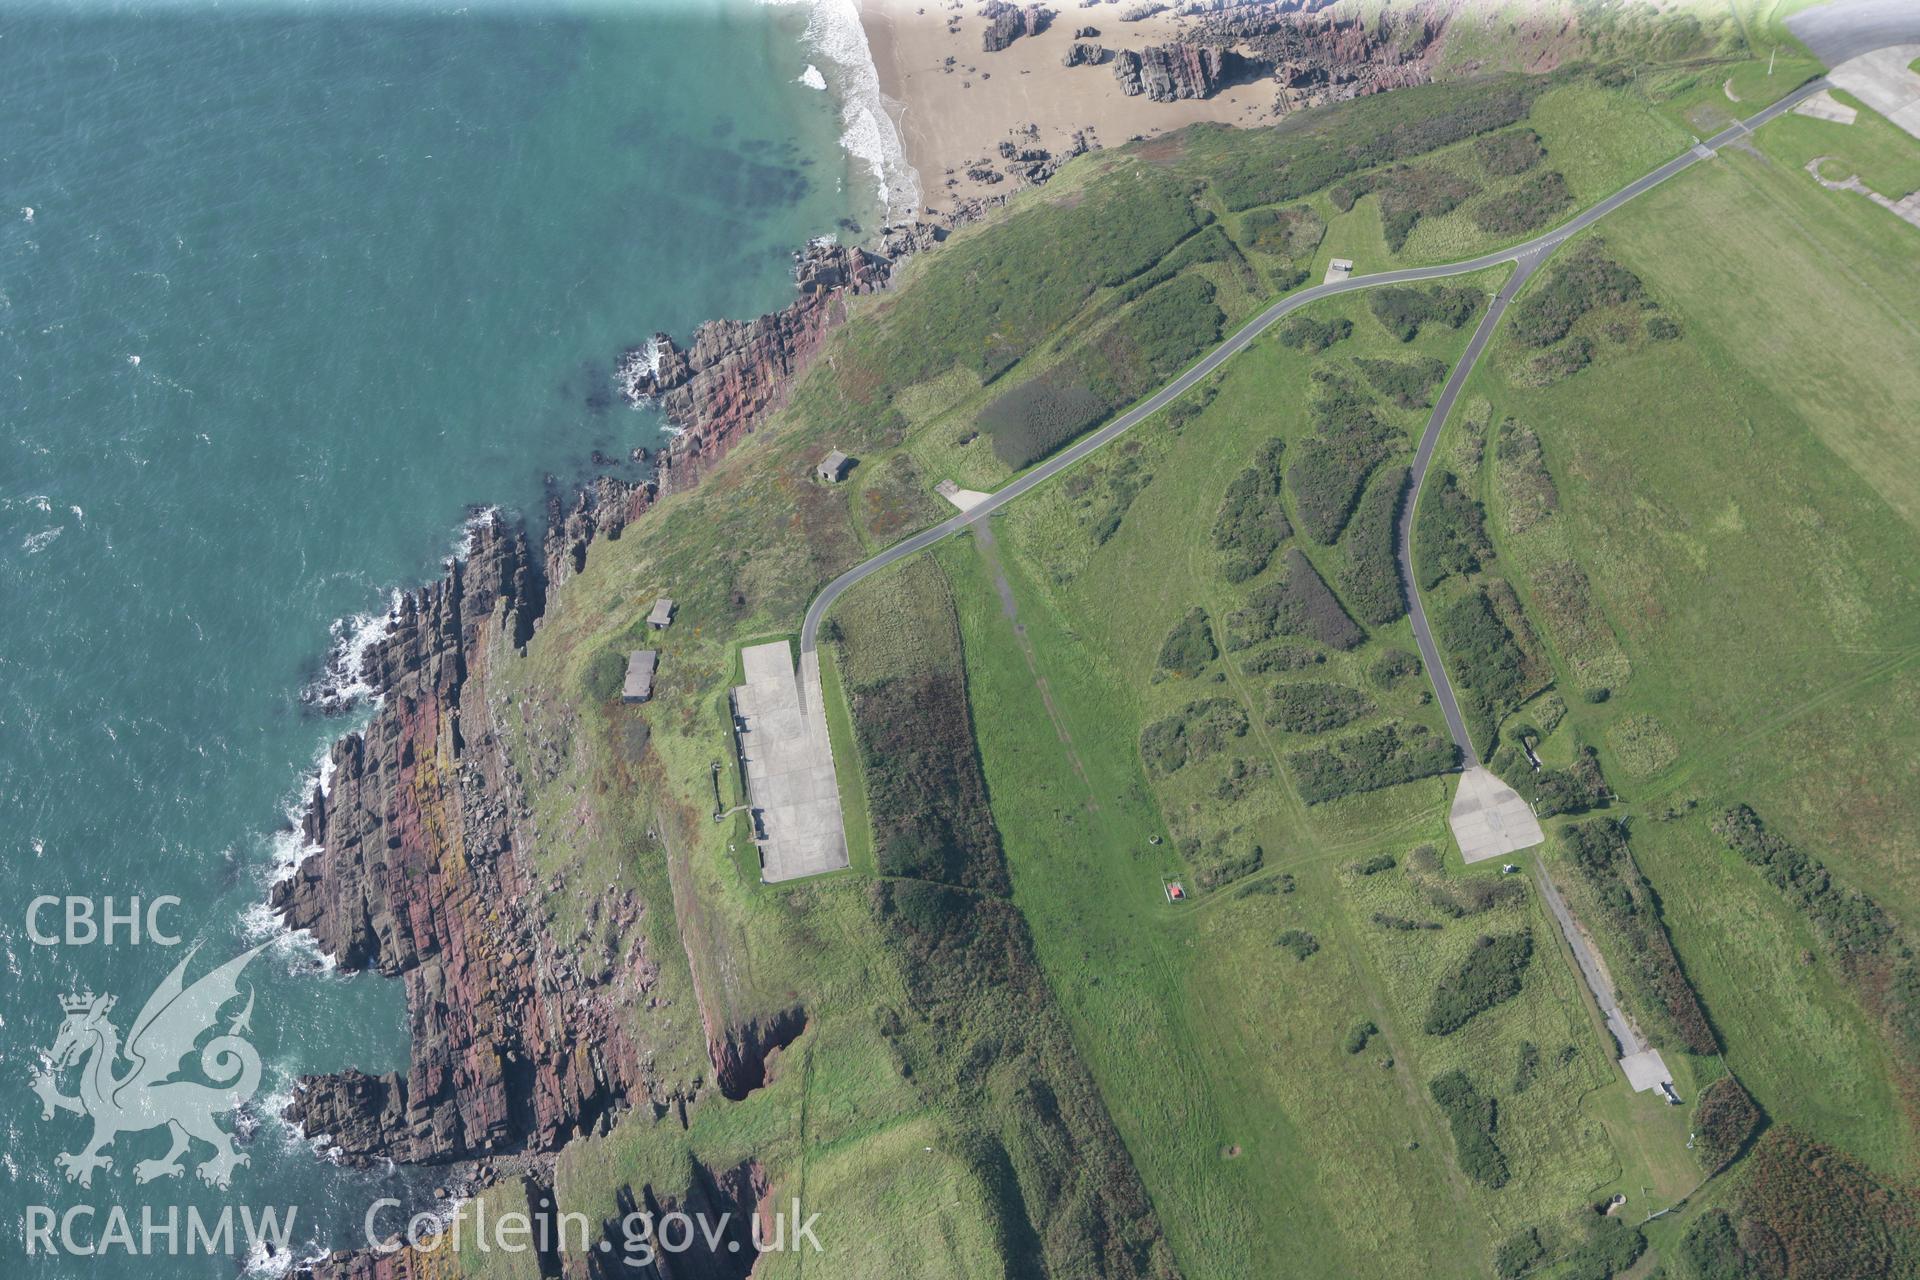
{"x":416,"y":874}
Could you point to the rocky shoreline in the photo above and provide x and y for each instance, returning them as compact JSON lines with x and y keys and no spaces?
{"x":415,"y":866}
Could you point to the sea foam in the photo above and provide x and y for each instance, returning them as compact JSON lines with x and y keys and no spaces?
{"x":867,"y":130}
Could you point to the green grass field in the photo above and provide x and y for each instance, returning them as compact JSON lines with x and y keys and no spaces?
{"x":1744,"y":509}
{"x":1743,"y":503}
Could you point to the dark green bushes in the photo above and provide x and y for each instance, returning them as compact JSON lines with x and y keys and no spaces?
{"x":1370,"y":759}
{"x":1610,"y":1249}
{"x":1282,"y":657}
{"x":1472,"y":1117}
{"x":1153,"y":341}
{"x":1533,"y":204}
{"x":1519,"y":1254}
{"x":1203,"y":728}
{"x":1526,"y":1066}
{"x":1724,"y":1121}
{"x":1299,"y":604}
{"x":1392,"y":667}
{"x":1484,"y":655}
{"x":1313,"y":149}
{"x":1291,"y":232}
{"x":1408,"y":383}
{"x":1157,"y":338}
{"x":1035,"y":418}
{"x":1585,"y":281}
{"x":1358,"y":1037}
{"x":1304,"y":333}
{"x":1219,"y":861}
{"x":1490,"y":975}
{"x":1331,"y":468}
{"x":1575,"y":789}
{"x":1407,"y":194}
{"x":1505,"y":154}
{"x":1854,"y":928}
{"x":1598,"y":849}
{"x":1375,"y":865}
{"x":1404,"y":310}
{"x":1298,"y":941}
{"x":1315,"y":706}
{"x":1189,"y":646}
{"x":926,"y":794}
{"x":984,"y":301}
{"x":606,"y":675}
{"x":1253,"y":520}
{"x":1450,"y":535}
{"x":1163,"y":745}
{"x":1209,"y":244}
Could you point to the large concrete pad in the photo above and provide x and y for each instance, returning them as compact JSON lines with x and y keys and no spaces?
{"x":1645,"y":1070}
{"x":1883,"y":81}
{"x":1489,"y":818}
{"x":1824,"y":106}
{"x":789,"y":768}
{"x":1844,"y":29}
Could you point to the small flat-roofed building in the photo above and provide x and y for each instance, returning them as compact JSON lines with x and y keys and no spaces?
{"x":1339,"y":269}
{"x":833,"y":467}
{"x":662,"y":614}
{"x":641,"y":664}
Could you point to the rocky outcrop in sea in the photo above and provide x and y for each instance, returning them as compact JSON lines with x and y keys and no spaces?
{"x":738,"y":371}
{"x":416,"y":873}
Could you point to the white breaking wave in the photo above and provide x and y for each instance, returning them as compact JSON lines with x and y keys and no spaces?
{"x":342,"y":682}
{"x":812,"y":78}
{"x":867,"y":130}
{"x":38,"y":542}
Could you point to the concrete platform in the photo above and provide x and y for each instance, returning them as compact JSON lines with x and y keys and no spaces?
{"x":1645,"y":1070}
{"x":789,"y":769}
{"x":1824,"y":106}
{"x":1489,"y":818}
{"x":1881,"y":79}
{"x":965,"y":499}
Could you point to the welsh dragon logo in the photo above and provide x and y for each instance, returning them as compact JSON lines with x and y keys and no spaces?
{"x":145,"y":1096}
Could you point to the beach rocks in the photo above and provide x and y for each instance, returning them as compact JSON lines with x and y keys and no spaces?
{"x":1083,"y":54}
{"x":1319,"y":57}
{"x":1170,"y":72}
{"x":1008,"y":22}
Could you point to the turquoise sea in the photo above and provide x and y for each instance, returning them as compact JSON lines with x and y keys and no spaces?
{"x":286,"y":290}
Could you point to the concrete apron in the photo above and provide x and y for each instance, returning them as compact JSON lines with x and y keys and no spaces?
{"x":1489,"y":819}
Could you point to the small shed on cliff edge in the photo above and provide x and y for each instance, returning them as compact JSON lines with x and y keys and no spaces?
{"x":662,"y":614}
{"x":833,"y":468}
{"x":641,"y":664}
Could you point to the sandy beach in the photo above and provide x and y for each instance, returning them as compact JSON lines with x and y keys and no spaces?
{"x":954,"y":116}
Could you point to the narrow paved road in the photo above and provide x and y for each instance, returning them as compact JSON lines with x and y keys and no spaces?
{"x":1422,"y":461}
{"x":1528,"y":254}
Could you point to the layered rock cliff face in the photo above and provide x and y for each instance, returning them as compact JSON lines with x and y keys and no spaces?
{"x":1319,"y":57}
{"x":738,"y":371}
{"x":1170,"y":72}
{"x":1315,"y":55}
{"x":416,"y":873}
{"x":1008,"y":22}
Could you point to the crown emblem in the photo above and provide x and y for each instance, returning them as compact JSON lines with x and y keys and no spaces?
{"x":82,"y":1003}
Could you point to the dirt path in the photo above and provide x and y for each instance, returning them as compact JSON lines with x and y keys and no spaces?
{"x":1010,"y":609}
